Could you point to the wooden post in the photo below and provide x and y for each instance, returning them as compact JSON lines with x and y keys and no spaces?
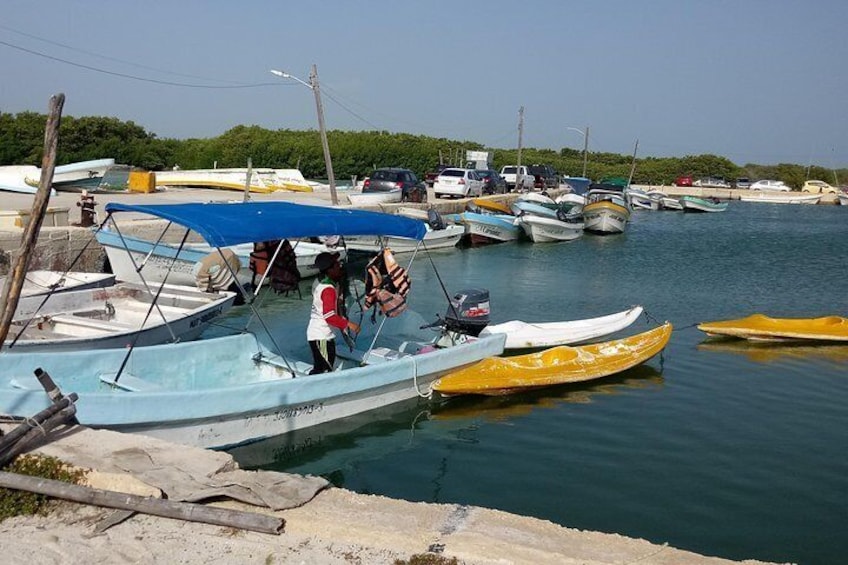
{"x":15,"y":280}
{"x":154,"y":506}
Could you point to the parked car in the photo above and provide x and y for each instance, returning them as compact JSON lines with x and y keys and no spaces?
{"x":711,"y":182}
{"x":742,"y":182}
{"x":682,"y":181}
{"x":458,"y":182}
{"x":767,"y":184}
{"x":390,"y":178}
{"x":544,"y":176}
{"x":818,"y":187}
{"x":517,"y":178}
{"x":493,"y":183}
{"x":430,"y":176}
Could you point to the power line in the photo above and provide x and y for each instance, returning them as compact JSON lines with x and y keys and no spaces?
{"x":72,"y":48}
{"x":133,"y":77}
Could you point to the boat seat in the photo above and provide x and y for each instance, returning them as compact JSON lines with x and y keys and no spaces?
{"x":377,"y":355}
{"x":129,"y":382}
{"x":94,"y":323}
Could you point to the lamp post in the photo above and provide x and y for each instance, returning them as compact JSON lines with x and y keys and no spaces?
{"x":585,"y":135}
{"x":313,"y":86}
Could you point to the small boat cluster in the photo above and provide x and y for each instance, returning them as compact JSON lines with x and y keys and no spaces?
{"x":130,"y":350}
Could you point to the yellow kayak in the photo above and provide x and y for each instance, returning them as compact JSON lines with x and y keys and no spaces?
{"x":557,"y":365}
{"x":493,"y":206}
{"x":758,"y":327}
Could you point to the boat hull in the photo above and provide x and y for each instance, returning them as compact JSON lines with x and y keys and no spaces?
{"x":446,"y":238}
{"x":545,"y":230}
{"x":375,"y":198}
{"x":490,"y":228}
{"x":605,"y":217}
{"x":113,"y":318}
{"x":700,"y":205}
{"x":523,"y":335}
{"x":170,"y":392}
{"x":782,"y":198}
{"x":125,"y":253}
{"x":758,"y":327}
{"x":558,"y":365}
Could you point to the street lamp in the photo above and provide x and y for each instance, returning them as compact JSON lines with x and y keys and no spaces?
{"x":585,"y":135}
{"x":313,"y":86}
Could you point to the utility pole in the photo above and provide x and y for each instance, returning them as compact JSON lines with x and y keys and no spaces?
{"x":585,"y":149}
{"x":520,"y":135}
{"x":331,"y":178}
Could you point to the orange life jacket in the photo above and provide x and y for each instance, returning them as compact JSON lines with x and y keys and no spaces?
{"x":386,"y":284}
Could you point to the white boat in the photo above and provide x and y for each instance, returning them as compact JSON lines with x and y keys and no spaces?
{"x":40,"y":282}
{"x":606,"y":211}
{"x":225,"y":391}
{"x":13,"y":178}
{"x":182,"y":266}
{"x":542,"y":229}
{"x":843,"y":198}
{"x":117,"y":316}
{"x":375,"y":198}
{"x":570,"y":199}
{"x":445,"y":238}
{"x":524,"y":335}
{"x":76,"y":177}
{"x":669,"y":203}
{"x":641,"y":200}
{"x":261,"y":180}
{"x":780,"y":198}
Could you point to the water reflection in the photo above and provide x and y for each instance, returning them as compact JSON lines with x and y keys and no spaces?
{"x":769,"y":352}
{"x":329,"y":448}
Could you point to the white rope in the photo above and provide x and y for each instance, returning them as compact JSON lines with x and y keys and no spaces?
{"x":429,"y":392}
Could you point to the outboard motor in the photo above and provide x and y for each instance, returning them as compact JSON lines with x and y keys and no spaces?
{"x":435,"y":220}
{"x":468,"y":312}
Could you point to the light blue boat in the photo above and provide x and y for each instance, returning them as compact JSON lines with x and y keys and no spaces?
{"x":484,"y":228}
{"x":695,"y":204}
{"x":230,"y":390}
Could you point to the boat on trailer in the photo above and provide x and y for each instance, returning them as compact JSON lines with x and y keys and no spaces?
{"x":229,"y":390}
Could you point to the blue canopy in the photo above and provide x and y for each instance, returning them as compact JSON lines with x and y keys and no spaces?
{"x":223,"y":224}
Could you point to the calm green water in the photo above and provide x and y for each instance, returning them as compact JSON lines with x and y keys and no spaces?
{"x":724,"y":449}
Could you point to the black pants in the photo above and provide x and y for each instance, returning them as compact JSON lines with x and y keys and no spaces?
{"x":323,"y":355}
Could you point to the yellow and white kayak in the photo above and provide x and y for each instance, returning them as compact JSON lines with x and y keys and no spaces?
{"x":557,"y":365}
{"x":758,"y":327}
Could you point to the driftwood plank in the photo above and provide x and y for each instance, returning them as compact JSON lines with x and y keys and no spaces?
{"x":7,"y":441}
{"x":15,"y":281}
{"x":153,"y":506}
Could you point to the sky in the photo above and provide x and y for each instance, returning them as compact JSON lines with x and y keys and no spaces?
{"x":756,"y":81}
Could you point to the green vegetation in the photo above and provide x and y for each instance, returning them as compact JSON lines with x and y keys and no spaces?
{"x":354,"y":153}
{"x":22,"y":503}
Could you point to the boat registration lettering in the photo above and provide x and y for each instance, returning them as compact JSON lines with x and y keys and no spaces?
{"x":205,"y":317}
{"x":295,"y":411}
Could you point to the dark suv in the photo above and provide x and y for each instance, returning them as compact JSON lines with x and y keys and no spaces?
{"x":390,"y":178}
{"x":493,"y":183}
{"x":545,"y":176}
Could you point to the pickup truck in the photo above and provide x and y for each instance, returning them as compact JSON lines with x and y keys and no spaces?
{"x":430,"y":176}
{"x":544,"y":176}
{"x":517,"y":178}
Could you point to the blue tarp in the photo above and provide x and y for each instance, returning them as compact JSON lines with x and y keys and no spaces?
{"x":223,"y":224}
